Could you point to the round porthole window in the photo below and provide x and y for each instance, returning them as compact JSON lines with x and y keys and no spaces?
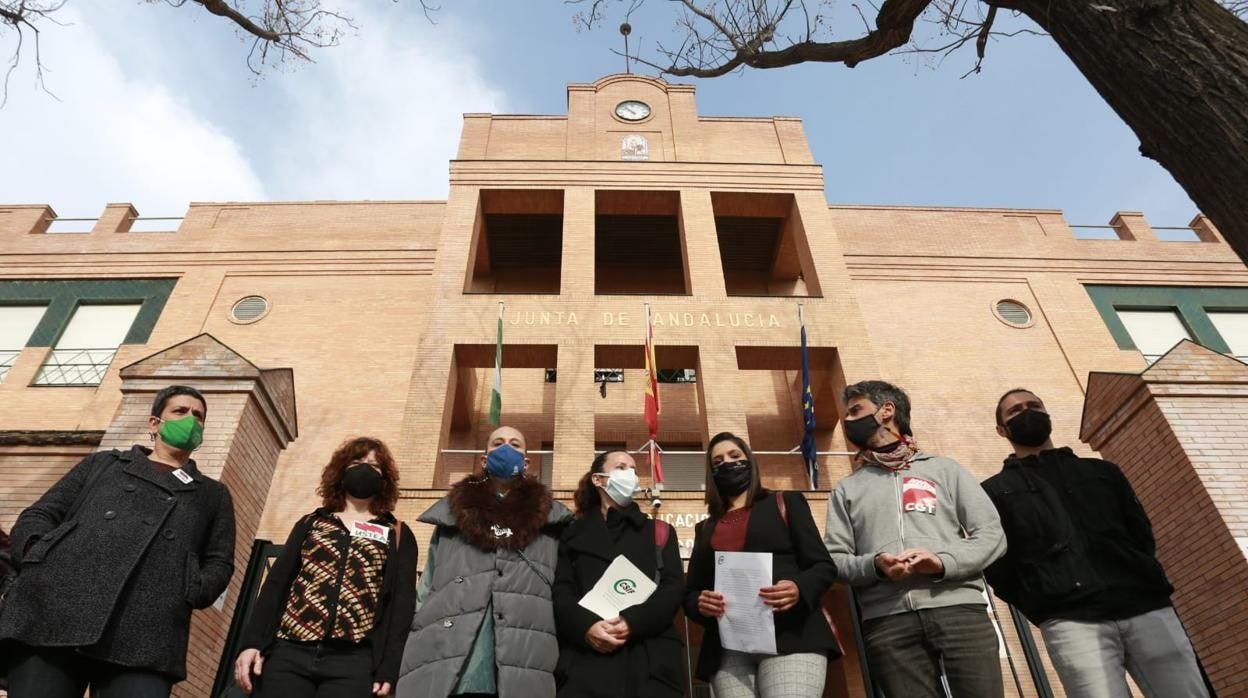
{"x":1012,"y":313}
{"x":249,"y":309}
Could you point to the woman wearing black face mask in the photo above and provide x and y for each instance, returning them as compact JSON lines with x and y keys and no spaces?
{"x":744,"y":517}
{"x":333,"y":614}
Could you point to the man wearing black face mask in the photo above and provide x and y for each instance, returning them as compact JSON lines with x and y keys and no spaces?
{"x":1082,"y":566}
{"x":911,"y":531}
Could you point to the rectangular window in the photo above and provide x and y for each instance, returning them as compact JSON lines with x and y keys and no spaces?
{"x":684,"y":466}
{"x":88,"y":344}
{"x":1233,"y":326}
{"x":517,"y":242}
{"x":762,"y":245}
{"x":17,"y":323}
{"x":639,"y":245}
{"x":1154,"y":332}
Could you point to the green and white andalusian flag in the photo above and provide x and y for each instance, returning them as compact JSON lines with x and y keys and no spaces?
{"x":496,"y":392}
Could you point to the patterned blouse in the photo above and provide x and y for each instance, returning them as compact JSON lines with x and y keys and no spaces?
{"x":337,"y":592}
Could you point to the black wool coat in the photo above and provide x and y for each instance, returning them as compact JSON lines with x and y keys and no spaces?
{"x":649,"y":665}
{"x":798,"y":555}
{"x":119,"y":579}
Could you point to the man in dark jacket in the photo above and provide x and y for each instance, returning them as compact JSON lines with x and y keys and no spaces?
{"x":1081,"y":564}
{"x":112,"y":558}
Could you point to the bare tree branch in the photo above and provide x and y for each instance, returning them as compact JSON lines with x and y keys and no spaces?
{"x":280,"y":31}
{"x":20,"y":17}
{"x":722,"y":36}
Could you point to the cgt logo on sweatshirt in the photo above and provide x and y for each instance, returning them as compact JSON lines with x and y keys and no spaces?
{"x":918,"y":495}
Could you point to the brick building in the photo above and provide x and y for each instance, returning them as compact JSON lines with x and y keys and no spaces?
{"x":309,"y":322}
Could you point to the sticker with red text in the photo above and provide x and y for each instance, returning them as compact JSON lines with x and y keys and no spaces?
{"x":371,"y":531}
{"x":918,"y":495}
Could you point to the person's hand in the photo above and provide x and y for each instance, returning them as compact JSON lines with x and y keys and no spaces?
{"x":600,"y":639}
{"x":381,"y":688}
{"x":923,"y":561}
{"x":711,"y":604}
{"x":894,"y":567}
{"x":781,"y":596}
{"x":618,"y":627}
{"x":249,"y":662}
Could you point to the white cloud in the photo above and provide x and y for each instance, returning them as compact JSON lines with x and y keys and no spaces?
{"x":379,"y":116}
{"x":111,"y":137}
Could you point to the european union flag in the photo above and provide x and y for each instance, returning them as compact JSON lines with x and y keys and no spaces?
{"x":808,"y":413}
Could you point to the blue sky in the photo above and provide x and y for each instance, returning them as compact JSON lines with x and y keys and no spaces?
{"x":157,"y":107}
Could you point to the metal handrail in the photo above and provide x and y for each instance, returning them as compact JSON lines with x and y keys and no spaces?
{"x":7,"y":357}
{"x":477,"y":452}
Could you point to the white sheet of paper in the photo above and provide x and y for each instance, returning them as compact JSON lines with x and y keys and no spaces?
{"x":621,"y":586}
{"x":748,"y":624}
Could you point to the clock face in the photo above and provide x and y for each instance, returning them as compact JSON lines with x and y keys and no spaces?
{"x":632,"y":110}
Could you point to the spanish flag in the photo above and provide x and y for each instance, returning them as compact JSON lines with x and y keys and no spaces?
{"x":652,"y":402}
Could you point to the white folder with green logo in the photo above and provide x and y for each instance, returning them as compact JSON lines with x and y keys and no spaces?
{"x":621,"y":586}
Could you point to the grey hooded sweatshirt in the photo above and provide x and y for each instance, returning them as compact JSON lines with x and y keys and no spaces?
{"x":934,"y":503}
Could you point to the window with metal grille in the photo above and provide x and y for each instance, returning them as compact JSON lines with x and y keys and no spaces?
{"x":684,"y":466}
{"x":677,"y":375}
{"x":249,"y":309}
{"x":608,"y":375}
{"x":85,"y":350}
{"x":1013,"y":313}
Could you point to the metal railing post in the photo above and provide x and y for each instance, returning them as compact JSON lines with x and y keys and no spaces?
{"x":261,"y":552}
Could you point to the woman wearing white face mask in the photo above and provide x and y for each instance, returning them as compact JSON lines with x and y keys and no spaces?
{"x":636,"y":654}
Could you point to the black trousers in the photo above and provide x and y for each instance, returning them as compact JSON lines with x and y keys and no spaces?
{"x":58,"y":672}
{"x":298,"y":670}
{"x":905,"y":652}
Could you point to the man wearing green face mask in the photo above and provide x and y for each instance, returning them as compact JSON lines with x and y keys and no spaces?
{"x":111,"y":561}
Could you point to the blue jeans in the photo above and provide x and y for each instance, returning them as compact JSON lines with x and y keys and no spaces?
{"x":905,"y":652}
{"x":57,"y":672}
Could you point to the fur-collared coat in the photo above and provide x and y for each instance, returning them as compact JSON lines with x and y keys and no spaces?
{"x":489,"y":555}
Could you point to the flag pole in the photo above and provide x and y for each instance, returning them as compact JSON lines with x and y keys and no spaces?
{"x":496,"y":390}
{"x":656,"y":486}
{"x":801,"y":322}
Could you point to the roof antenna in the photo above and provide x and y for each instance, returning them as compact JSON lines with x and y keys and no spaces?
{"x":625,"y":30}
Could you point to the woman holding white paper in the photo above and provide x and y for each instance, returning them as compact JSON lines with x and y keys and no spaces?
{"x":746,"y":518}
{"x":635,"y":654}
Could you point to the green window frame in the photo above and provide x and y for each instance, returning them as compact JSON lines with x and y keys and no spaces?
{"x":63,"y":296}
{"x":1191,"y":303}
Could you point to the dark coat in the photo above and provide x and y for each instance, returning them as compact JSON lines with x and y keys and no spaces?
{"x":649,"y":665}
{"x":798,"y":554}
{"x":394,"y":615}
{"x":1080,"y":544}
{"x":119,"y":580}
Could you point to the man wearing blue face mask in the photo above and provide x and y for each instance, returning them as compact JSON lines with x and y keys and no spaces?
{"x":484,"y":623}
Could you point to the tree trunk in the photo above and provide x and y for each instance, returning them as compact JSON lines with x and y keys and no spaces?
{"x":1176,"y":71}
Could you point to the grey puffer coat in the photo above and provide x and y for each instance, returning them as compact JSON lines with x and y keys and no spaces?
{"x":512,"y":580}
